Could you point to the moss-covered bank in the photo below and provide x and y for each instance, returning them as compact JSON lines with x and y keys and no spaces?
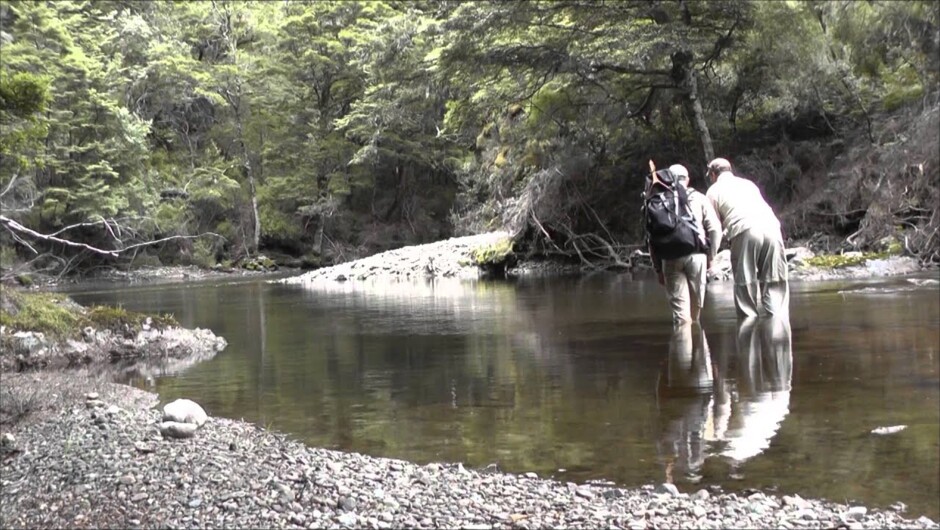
{"x":58,"y":317}
{"x":49,"y":330}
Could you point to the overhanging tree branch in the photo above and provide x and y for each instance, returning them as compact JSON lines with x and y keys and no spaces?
{"x":597,"y":67}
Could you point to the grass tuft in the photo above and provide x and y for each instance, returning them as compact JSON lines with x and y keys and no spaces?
{"x":48,"y":313}
{"x":839,"y":261}
{"x":56,"y":316}
{"x":493,"y":254}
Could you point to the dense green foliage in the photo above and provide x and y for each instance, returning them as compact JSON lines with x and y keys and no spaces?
{"x":334,"y":129}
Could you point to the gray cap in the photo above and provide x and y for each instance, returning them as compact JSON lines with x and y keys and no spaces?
{"x":719,"y":164}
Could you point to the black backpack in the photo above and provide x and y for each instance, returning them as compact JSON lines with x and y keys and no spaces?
{"x":671,"y":229}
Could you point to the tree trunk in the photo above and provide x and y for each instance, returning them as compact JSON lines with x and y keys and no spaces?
{"x":698,"y":115}
{"x":684,"y":76}
{"x":318,"y":238}
{"x":232,"y":94}
{"x":252,"y":190}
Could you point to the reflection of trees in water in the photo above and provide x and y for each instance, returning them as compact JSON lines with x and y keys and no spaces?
{"x":853,"y":331}
{"x":491,"y":371}
{"x":736,"y":415}
{"x":386,"y":366}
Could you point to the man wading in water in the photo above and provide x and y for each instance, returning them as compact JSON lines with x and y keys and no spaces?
{"x":684,"y":276}
{"x":758,"y":262}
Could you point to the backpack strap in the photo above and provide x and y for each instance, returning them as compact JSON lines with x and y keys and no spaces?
{"x":677,"y":200}
{"x":682,"y":200}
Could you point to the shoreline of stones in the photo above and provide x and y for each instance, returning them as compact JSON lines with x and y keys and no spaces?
{"x":98,"y":459}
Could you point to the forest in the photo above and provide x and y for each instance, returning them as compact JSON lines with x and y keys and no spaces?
{"x":158,"y":133}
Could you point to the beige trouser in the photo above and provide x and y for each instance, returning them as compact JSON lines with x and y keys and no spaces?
{"x":759,"y":266}
{"x":685,"y":287}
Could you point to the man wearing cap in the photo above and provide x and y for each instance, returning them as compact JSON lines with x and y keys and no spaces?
{"x":684,"y":278}
{"x":758,"y":262}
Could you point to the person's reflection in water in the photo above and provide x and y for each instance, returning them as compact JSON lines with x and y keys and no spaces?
{"x":685,"y":401}
{"x":748,"y":416}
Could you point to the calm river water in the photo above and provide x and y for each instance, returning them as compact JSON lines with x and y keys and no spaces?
{"x":582,"y":379}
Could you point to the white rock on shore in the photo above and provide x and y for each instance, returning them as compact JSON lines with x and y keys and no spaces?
{"x":185,"y":411}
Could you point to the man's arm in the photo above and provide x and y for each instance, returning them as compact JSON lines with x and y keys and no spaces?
{"x":657,"y":264}
{"x":712,"y":228}
{"x":712,"y":197}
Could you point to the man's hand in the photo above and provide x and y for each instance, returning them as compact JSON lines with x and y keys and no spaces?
{"x":661,"y":277}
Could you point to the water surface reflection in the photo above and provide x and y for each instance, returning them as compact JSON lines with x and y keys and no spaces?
{"x":753,"y":402}
{"x":584,"y":379}
{"x":733,"y":413}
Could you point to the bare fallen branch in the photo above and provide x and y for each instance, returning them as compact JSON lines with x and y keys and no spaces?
{"x":23,"y":242}
{"x":611,"y":252}
{"x":16,"y":229}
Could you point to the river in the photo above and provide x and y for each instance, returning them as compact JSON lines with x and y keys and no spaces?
{"x":582,"y":379}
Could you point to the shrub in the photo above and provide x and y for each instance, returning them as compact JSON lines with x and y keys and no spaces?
{"x":204,"y":254}
{"x":7,"y":257}
{"x":839,"y":261}
{"x":145,"y":259}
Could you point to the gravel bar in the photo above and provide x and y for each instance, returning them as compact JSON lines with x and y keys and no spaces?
{"x":94,"y":457}
{"x":449,"y":258}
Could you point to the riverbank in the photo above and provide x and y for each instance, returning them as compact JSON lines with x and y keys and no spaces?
{"x":454,"y":258}
{"x":50,"y":331}
{"x":457,"y":258}
{"x":74,"y":465}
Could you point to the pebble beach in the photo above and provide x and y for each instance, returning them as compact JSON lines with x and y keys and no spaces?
{"x":91,"y":455}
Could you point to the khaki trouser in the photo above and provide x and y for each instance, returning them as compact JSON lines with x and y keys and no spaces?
{"x":685,"y":287}
{"x":759,"y":266}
